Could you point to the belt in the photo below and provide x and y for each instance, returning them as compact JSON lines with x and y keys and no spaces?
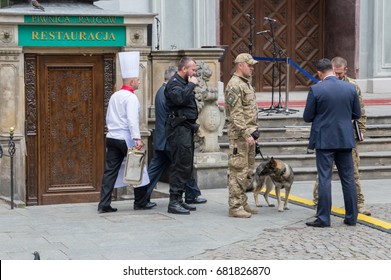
{"x":172,"y":116}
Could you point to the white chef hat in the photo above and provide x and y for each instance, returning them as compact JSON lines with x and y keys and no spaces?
{"x":129,"y":62}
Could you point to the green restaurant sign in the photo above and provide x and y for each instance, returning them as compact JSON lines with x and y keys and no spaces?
{"x":72,"y":31}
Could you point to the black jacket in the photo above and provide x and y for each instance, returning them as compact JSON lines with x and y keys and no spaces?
{"x":180,"y":98}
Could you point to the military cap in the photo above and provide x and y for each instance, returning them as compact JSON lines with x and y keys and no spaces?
{"x":245,"y":57}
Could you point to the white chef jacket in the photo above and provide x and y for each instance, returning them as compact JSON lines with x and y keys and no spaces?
{"x":122,"y":117}
{"x":122,"y":120}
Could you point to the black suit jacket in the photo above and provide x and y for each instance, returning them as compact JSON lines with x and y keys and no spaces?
{"x":159,"y":136}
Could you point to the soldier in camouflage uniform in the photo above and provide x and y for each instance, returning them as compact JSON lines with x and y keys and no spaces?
{"x":340,"y":68}
{"x":242,"y":115}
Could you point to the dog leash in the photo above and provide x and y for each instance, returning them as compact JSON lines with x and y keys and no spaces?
{"x":258,"y":150}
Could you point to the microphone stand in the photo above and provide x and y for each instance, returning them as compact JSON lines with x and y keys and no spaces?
{"x":282,"y":53}
{"x":251,"y":41}
{"x":286,"y":110}
{"x":272,"y":107}
{"x":275,"y":56}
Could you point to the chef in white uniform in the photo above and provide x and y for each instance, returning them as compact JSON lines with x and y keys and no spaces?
{"x":122,"y":122}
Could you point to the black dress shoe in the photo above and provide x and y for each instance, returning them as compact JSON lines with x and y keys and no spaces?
{"x":196,"y":200}
{"x":188,"y":206}
{"x":107,"y":209}
{"x":316,"y":223}
{"x":152,"y":203}
{"x":349,"y":224}
{"x":176,"y":208}
{"x":148,"y":206}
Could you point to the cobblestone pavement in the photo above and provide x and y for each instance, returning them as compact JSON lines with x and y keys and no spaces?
{"x":299,"y":242}
{"x":78,"y":232}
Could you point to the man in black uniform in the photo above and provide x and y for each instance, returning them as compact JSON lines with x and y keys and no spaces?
{"x":180,"y":128}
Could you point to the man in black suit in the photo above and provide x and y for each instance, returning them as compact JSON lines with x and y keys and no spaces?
{"x":331,"y":105}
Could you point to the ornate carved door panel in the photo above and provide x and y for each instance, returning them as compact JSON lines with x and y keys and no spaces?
{"x":298,"y":31}
{"x":66,"y":151}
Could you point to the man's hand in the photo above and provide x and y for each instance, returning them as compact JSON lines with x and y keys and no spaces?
{"x":193,"y":80}
{"x":250,"y":140}
{"x":139,"y":144}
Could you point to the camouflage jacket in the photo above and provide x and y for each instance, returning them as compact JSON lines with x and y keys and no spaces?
{"x":362,"y":121}
{"x":240,"y":107}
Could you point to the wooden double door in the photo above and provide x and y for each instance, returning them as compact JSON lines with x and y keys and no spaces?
{"x":298,"y":31}
{"x":66,"y":100}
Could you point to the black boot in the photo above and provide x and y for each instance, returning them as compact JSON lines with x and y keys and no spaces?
{"x":140,"y":197}
{"x":187,"y":206}
{"x":175,"y":207}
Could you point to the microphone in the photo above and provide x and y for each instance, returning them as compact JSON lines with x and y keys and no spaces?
{"x":262,"y":32}
{"x":269,"y":19}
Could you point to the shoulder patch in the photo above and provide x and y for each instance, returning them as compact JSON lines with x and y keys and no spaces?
{"x":232,"y":95}
{"x":231,"y":99}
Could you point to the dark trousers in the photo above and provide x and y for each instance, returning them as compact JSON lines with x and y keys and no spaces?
{"x":115,"y":153}
{"x":159,"y":164}
{"x":344,"y":162}
{"x":182,"y":155}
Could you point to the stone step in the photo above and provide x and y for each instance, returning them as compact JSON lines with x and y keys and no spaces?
{"x":366,"y":173}
{"x":279,"y":134}
{"x":378,"y":130}
{"x":300,"y":147}
{"x":308,"y":160}
{"x":297,"y":120}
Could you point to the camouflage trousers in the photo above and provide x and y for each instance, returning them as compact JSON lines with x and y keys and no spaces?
{"x":241,"y":164}
{"x":360,"y":196}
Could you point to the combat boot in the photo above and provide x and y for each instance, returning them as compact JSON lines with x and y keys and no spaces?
{"x":248,"y":209}
{"x":238,"y":213}
{"x":187,"y":206}
{"x":175,"y":207}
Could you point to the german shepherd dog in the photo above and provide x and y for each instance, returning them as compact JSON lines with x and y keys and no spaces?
{"x":273,"y":171}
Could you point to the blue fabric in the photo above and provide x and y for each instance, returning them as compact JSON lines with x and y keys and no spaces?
{"x":159,"y":140}
{"x":290,"y":61}
{"x":331,"y":105}
{"x":159,"y":164}
{"x":344,"y":162}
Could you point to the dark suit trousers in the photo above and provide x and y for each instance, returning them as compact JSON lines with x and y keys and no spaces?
{"x":160,"y":162}
{"x":115,"y":153}
{"x":158,"y":165}
{"x":344,"y":162}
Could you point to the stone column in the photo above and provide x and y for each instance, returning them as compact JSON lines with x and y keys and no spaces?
{"x":11,"y":112}
{"x":210,"y":164}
